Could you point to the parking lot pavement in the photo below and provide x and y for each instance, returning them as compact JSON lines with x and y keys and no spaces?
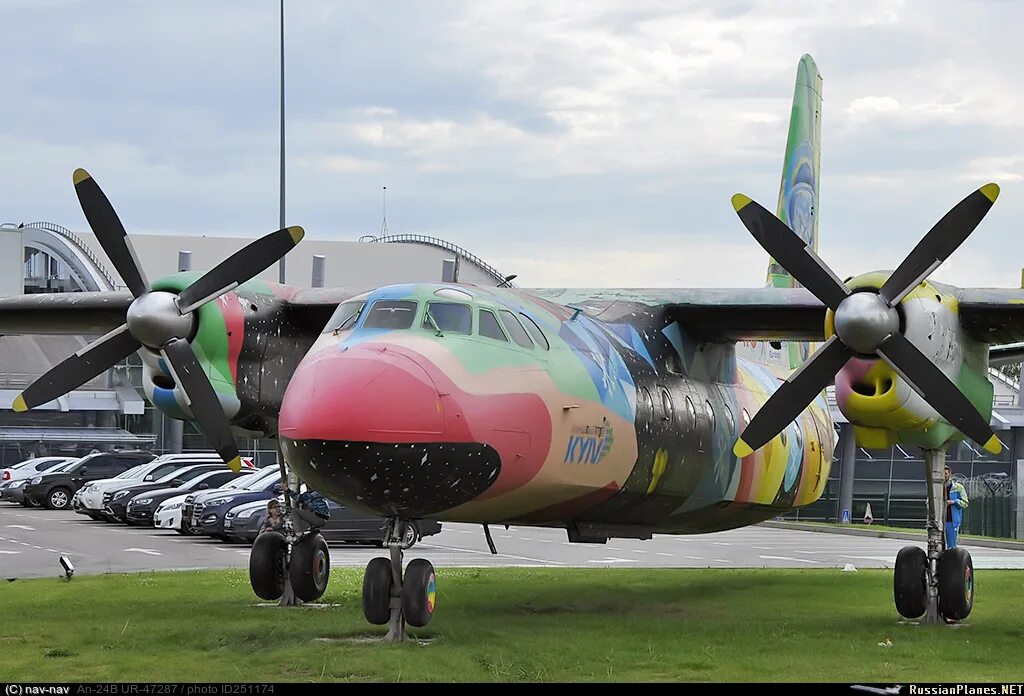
{"x":32,"y":541}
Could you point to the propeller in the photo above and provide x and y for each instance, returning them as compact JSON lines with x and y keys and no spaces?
{"x":866,"y":322}
{"x":159,"y":320}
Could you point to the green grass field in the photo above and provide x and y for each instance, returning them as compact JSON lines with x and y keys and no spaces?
{"x":510,"y":624}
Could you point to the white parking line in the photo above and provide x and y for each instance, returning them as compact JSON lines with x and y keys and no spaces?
{"x":662,"y":553}
{"x":788,"y":558}
{"x":149,"y":552}
{"x":10,"y":553}
{"x":21,"y":526}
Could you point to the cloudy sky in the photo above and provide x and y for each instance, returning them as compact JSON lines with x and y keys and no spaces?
{"x":576,"y":144}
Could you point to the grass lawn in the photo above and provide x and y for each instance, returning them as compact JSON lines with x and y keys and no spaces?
{"x":510,"y":624}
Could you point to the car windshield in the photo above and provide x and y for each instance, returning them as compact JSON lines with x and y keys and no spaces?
{"x":182,"y":477}
{"x":260,"y":481}
{"x":240,"y":482}
{"x":63,"y":467}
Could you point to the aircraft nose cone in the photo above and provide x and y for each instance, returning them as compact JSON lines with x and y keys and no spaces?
{"x":367,"y":396}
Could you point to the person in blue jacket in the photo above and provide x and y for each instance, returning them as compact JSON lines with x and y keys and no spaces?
{"x":956,"y":501}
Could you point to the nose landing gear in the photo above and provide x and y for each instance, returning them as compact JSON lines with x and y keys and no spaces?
{"x":937,"y":584}
{"x":389,"y":598}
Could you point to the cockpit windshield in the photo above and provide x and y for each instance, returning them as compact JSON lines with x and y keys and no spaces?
{"x":449,"y":317}
{"x":390,"y":314}
{"x":345,"y":316}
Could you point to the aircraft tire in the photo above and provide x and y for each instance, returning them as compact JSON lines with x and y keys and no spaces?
{"x":377,"y":581}
{"x":956,"y":583}
{"x":267,"y":565}
{"x":419,"y":593}
{"x":310,"y":568}
{"x":910,"y":582}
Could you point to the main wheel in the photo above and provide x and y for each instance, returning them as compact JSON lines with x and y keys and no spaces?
{"x":910,"y":582}
{"x":310,"y":567}
{"x":58,"y":499}
{"x":266,"y":565}
{"x":956,"y":583}
{"x":419,"y":592}
{"x":377,"y":582}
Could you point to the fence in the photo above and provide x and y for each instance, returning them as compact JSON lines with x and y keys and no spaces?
{"x":992,"y":506}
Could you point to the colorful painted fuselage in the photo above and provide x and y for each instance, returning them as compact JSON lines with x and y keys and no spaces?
{"x":492,"y":405}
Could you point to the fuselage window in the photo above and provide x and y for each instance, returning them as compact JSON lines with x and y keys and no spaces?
{"x":711,"y":413}
{"x":538,"y":336}
{"x":345,"y":316}
{"x":729,"y":418}
{"x":489,"y":326}
{"x":746,"y":417}
{"x":666,"y":404}
{"x":796,"y":436}
{"x":391,"y":314}
{"x":515,"y":329}
{"x":691,"y":414}
{"x":449,"y":317}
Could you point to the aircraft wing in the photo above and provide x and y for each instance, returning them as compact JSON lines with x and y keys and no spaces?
{"x":991,"y":315}
{"x":716,"y":315}
{"x":77,"y":313}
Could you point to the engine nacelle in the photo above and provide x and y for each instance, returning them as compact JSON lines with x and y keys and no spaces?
{"x":883,"y":408}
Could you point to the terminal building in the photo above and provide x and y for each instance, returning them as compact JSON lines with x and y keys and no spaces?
{"x":885,"y":486}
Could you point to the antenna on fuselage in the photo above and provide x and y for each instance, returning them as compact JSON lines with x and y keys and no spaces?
{"x":384,"y":213}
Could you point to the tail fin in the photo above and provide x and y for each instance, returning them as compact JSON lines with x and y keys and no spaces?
{"x":798,"y":194}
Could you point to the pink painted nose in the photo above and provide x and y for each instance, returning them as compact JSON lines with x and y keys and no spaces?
{"x":362,"y":395}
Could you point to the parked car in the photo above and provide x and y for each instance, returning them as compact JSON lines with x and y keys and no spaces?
{"x":204,"y":514}
{"x":116,"y":500}
{"x":140,"y":509}
{"x":55,"y":490}
{"x":31,"y":467}
{"x":168,"y":514}
{"x":346,"y":526}
{"x":14,"y":491}
{"x":89,"y":499}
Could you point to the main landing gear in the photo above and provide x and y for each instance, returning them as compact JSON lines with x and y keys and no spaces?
{"x":937,"y":584}
{"x":389,"y":598}
{"x":294,"y":566}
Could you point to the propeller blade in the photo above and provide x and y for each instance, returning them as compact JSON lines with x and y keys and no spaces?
{"x":110,"y":232}
{"x":202,"y":400}
{"x":795,"y":394}
{"x":941,"y":394}
{"x":239,"y":267}
{"x":941,"y":241}
{"x":96,"y":358}
{"x":790,"y":251}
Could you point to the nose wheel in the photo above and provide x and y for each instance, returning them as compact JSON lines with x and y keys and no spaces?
{"x":937,"y":584}
{"x":395,"y":598}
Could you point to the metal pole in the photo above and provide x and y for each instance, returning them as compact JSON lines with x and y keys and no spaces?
{"x":280,"y":266}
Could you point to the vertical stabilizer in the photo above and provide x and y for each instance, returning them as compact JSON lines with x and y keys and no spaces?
{"x":798,"y":193}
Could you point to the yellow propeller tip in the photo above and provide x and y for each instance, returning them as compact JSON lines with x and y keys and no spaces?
{"x":19,"y":404}
{"x":990,"y":191}
{"x":741,"y":449}
{"x":994,"y":445}
{"x":297,"y":233}
{"x":739,"y":202}
{"x":235,"y":464}
{"x":79,"y":176}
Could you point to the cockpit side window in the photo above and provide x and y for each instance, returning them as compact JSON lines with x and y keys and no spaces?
{"x":515,"y":329}
{"x":535,"y":332}
{"x":450,"y":317}
{"x":345,"y":316}
{"x":489,"y":326}
{"x":391,"y":314}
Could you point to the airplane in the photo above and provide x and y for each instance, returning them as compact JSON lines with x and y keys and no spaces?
{"x":606,"y":412}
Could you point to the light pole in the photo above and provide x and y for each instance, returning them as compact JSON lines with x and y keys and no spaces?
{"x":280,"y":266}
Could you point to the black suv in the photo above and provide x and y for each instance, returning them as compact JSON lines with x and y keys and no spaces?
{"x":56,"y":490}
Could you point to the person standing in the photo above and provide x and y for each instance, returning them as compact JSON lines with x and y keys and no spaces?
{"x":956,"y":501}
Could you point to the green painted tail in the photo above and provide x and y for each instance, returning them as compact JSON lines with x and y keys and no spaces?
{"x":798,"y":193}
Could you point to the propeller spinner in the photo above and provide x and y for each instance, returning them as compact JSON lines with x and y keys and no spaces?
{"x":158,"y":320}
{"x":866,"y":322}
